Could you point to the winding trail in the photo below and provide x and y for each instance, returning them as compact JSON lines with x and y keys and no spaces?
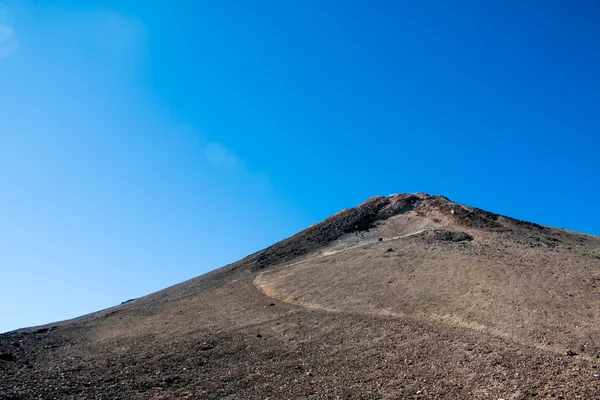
{"x":261,"y":284}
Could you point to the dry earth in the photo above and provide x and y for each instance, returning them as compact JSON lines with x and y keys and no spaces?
{"x":405,"y":297}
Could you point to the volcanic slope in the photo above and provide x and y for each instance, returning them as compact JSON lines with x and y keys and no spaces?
{"x":407,"y":296}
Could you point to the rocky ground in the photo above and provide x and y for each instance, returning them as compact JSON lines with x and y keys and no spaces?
{"x":405,"y":297}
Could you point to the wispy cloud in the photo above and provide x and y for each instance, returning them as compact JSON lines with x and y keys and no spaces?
{"x":9,"y":43}
{"x":220,"y":156}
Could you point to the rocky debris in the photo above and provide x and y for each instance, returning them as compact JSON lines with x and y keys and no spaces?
{"x":361,"y":218}
{"x":451,"y":236}
{"x":442,"y":235}
{"x":39,"y":331}
{"x":370,"y":213}
{"x":466,"y":216}
{"x":212,"y":349}
{"x":526,"y":224}
{"x":206,"y":347}
{"x":7,"y":357}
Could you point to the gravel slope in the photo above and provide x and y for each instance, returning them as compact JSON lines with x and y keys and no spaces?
{"x":410,"y":296}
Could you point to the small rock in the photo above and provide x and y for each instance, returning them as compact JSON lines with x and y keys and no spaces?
{"x":570,"y":353}
{"x":206,"y":347}
{"x":7,"y":357}
{"x":169,"y":380}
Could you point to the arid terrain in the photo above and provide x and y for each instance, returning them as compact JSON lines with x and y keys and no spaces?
{"x":403,"y":297}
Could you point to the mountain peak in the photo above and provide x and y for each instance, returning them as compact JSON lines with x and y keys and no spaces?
{"x":404,"y":296}
{"x":439,"y":210}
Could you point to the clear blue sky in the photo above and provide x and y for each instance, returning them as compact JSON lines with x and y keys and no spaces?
{"x":145,"y":143}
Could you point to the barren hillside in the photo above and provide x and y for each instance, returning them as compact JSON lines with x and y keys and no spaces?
{"x":409,"y":296}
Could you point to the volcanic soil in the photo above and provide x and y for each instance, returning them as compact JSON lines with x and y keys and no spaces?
{"x":403,"y":297}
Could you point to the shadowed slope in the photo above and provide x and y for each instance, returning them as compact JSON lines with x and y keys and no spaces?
{"x":364,"y":217}
{"x":401,"y":297}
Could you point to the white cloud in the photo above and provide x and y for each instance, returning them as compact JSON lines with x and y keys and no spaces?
{"x":220,"y":156}
{"x":9,"y":43}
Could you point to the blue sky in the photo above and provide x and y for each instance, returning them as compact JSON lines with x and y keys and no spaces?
{"x":145,"y":143}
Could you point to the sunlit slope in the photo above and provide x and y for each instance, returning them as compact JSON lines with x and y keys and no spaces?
{"x":407,"y":296}
{"x":530,"y":284}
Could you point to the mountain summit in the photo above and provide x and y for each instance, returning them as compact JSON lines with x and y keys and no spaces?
{"x":406,"y":296}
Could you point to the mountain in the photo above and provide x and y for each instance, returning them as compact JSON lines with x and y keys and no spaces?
{"x":407,"y":296}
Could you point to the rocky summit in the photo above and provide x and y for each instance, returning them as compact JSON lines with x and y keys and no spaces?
{"x":409,"y":296}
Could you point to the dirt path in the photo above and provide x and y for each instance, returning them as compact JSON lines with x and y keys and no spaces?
{"x":262,"y":284}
